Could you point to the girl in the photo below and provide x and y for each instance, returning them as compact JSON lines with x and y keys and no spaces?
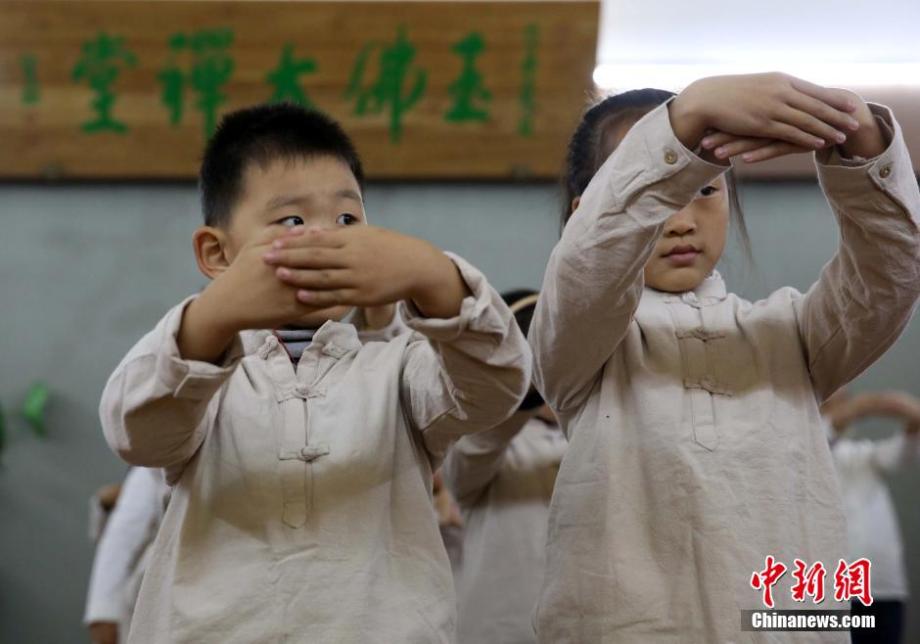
{"x":695,"y":443}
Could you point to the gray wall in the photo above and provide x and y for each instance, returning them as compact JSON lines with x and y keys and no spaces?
{"x":85,"y":270}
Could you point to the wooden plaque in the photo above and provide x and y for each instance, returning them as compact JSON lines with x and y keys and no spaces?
{"x":429,"y":90}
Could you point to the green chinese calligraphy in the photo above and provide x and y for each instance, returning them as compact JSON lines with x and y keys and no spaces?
{"x":528,"y":81}
{"x":389,"y":90}
{"x":468,"y":87}
{"x":100,"y":63}
{"x":285,"y":78}
{"x":30,"y":92}
{"x":211,"y":68}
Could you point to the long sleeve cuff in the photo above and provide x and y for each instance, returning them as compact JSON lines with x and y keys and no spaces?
{"x":652,"y":154}
{"x":477,"y":311}
{"x":884,"y":184}
{"x":192,"y":379}
{"x":103,"y":609}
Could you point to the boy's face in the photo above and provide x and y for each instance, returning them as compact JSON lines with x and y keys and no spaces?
{"x":314,"y":192}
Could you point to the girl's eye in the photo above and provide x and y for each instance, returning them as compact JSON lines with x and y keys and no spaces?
{"x":346,"y":219}
{"x":708,"y":191}
{"x":291,"y":221}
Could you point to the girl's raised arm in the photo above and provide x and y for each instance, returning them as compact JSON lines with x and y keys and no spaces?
{"x":594,"y":278}
{"x":867,"y":293}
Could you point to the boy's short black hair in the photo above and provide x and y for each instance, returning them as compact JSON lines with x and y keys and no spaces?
{"x":263,"y":134}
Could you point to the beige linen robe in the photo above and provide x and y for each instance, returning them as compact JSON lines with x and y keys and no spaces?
{"x":302,"y":506}
{"x":503,"y":481}
{"x":695,"y":444}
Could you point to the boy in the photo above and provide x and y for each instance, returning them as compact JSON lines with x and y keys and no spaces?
{"x":302,"y":459}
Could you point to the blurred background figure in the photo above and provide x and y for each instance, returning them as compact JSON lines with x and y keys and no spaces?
{"x":121,"y":553}
{"x":503,"y":481}
{"x":872,"y":524}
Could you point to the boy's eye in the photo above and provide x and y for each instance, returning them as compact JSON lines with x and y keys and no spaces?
{"x":291,"y":221}
{"x":708,"y":190}
{"x":347,"y":219}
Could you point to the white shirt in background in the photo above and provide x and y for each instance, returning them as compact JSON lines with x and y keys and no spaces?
{"x":122,"y":551}
{"x":872,"y":524}
{"x":503,"y":481}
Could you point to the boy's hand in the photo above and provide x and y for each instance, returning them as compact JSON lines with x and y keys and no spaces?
{"x":764,"y":106}
{"x":867,"y":142}
{"x":247,"y":295}
{"x":367,"y":266}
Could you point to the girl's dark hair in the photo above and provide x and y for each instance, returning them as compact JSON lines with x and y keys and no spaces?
{"x":587,"y":153}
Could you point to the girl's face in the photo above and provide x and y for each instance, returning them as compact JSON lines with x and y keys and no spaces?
{"x":693,"y":238}
{"x":691,"y":243}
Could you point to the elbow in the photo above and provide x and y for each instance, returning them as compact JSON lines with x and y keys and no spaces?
{"x":142,"y":437}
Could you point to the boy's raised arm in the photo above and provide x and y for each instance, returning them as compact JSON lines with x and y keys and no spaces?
{"x":473,"y":370}
{"x":156,"y":407}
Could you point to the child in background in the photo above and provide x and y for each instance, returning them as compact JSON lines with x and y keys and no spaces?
{"x":503,"y":480}
{"x":301,"y":459}
{"x":872,"y":524}
{"x":101,"y":504}
{"x":450,"y":523}
{"x":122,"y":555}
{"x":696,"y":448}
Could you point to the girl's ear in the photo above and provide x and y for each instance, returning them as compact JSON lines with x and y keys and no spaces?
{"x":575,"y":202}
{"x":210,"y":245}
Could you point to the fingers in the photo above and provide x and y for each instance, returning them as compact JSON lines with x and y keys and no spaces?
{"x":821,"y":110}
{"x":739,"y":146}
{"x":323,"y":279}
{"x":268,"y":235}
{"x":332,"y":297}
{"x":753,"y":150}
{"x":305,"y":257}
{"x":771,"y":151}
{"x":300,"y":236}
{"x":717,"y":139}
{"x":812,"y":125}
{"x":840,"y":99}
{"x":792,"y":134}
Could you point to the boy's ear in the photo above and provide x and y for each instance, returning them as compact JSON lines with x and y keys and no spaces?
{"x":210,"y":245}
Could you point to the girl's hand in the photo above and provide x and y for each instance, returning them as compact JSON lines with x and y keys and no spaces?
{"x":771,"y":106}
{"x":367,"y":266}
{"x":867,"y":142}
{"x":752,"y":150}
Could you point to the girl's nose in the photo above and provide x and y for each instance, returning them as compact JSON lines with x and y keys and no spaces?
{"x":680,"y":223}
